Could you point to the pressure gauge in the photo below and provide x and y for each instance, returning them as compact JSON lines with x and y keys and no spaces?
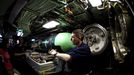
{"x":96,"y":37}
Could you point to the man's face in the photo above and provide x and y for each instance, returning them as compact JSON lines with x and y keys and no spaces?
{"x":75,"y":39}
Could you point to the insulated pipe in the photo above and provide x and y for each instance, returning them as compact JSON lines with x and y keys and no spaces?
{"x":129,"y":7}
{"x":16,"y":9}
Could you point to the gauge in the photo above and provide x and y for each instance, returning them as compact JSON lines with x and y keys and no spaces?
{"x":96,"y":37}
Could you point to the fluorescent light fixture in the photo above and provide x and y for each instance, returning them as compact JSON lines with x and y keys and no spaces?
{"x":95,"y":3}
{"x":51,"y":24}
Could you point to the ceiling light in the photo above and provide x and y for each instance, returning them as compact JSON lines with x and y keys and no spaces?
{"x":95,"y":3}
{"x":33,"y":40}
{"x":51,"y":24}
{"x":20,"y":32}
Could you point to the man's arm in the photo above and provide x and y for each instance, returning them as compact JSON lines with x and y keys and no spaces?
{"x":63,"y":56}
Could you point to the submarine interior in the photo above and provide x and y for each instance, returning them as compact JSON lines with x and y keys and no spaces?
{"x":47,"y":24}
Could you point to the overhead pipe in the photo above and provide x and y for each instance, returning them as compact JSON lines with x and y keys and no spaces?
{"x":16,"y":9}
{"x":129,"y":7}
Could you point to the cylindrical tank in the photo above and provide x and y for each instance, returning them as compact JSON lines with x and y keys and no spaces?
{"x":64,"y":41}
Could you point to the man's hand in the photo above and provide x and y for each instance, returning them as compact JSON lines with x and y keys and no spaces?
{"x":62,"y":56}
{"x":52,"y":52}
